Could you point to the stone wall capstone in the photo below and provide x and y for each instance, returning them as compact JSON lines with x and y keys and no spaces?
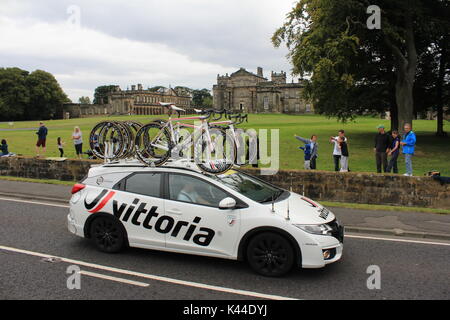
{"x":350,"y":187}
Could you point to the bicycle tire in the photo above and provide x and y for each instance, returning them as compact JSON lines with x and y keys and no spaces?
{"x":144,"y":152}
{"x":217,"y":166}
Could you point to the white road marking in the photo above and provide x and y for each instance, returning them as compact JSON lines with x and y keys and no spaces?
{"x":397,"y":240}
{"x":152,"y":277}
{"x":36,"y":202}
{"x":105,"y":277}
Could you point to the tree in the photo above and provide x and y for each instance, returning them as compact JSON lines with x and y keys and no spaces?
{"x":100,"y":94}
{"x":29,"y":96}
{"x":14,"y":93}
{"x":84,"y":100}
{"x":353,"y":68}
{"x":46,"y":96}
{"x":202,"y":98}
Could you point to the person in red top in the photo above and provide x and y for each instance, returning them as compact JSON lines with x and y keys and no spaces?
{"x":42,"y":137}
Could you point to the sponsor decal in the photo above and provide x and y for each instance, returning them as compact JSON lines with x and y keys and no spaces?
{"x":93,"y":207}
{"x":188,"y":231}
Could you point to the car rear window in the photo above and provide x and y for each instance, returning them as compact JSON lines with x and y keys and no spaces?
{"x":148,"y":184}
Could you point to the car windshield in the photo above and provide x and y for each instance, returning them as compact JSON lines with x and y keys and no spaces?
{"x":248,"y":186}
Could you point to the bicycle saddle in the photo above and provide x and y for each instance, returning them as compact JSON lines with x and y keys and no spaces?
{"x":171,"y":106}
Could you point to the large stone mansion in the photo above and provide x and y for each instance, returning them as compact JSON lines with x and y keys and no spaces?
{"x":134,"y":101}
{"x":253,"y":93}
{"x":241,"y":91}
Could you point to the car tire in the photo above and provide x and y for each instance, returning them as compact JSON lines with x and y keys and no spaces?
{"x":270,"y":254}
{"x":107,"y":235}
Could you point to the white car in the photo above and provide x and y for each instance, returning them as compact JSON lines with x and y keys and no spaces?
{"x":177,"y":208}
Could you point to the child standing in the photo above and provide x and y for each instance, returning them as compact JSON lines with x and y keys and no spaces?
{"x":4,"y":148}
{"x":342,"y":144}
{"x":394,"y":152}
{"x":60,"y":147}
{"x":311,"y":147}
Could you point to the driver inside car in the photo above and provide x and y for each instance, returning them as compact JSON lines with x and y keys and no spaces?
{"x":189,"y":194}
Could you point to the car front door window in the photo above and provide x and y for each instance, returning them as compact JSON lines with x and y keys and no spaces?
{"x":189,"y":189}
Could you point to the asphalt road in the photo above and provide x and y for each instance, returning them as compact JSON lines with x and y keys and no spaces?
{"x":409,"y":269}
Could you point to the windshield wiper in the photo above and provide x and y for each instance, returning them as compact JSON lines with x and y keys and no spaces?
{"x":273,"y":197}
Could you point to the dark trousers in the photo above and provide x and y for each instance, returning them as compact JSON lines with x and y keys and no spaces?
{"x":312,"y":164}
{"x":61,"y":152}
{"x":79,"y":148}
{"x":393,"y":163}
{"x":381,"y":159}
{"x":337,"y":161}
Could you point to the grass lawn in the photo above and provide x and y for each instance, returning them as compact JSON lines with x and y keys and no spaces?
{"x":432,"y":153}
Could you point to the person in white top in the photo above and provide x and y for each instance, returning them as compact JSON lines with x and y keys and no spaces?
{"x":77,"y":138}
{"x":337,"y":151}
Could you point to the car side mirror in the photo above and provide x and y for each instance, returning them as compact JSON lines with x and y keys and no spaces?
{"x":227,"y":203}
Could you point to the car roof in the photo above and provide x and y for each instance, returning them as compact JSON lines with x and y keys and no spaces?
{"x":137,"y":166}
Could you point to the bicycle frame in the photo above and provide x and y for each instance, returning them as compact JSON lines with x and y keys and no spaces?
{"x":174,"y":136}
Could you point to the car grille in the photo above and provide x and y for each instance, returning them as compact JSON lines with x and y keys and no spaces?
{"x":337,"y":230}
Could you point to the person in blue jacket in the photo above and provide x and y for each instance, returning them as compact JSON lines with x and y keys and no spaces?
{"x":408,"y":143}
{"x":311,"y":151}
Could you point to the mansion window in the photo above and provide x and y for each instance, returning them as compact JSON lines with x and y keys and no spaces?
{"x":266,"y":103}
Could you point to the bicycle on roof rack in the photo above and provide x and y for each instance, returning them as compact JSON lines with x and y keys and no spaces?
{"x":215,"y":143}
{"x":214,"y":148}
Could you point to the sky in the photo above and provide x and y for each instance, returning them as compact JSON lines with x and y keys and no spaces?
{"x":88,"y":43}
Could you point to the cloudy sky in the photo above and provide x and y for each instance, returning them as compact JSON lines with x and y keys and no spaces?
{"x":88,"y":43}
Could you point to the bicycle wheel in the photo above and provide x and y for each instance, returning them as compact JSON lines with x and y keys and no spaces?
{"x":215,"y":151}
{"x":153,"y":144}
{"x":106,"y":140}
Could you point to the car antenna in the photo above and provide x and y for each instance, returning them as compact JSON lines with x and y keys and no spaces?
{"x":273,"y":203}
{"x":287,"y":216}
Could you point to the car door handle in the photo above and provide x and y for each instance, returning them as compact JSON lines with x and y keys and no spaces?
{"x":174,"y":211}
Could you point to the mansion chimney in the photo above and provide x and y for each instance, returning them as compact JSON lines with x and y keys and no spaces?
{"x":260,"y":72}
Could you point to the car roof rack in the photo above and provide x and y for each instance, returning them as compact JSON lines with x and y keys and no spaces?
{"x":172,"y":164}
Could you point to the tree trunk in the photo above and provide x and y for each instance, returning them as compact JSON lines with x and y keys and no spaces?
{"x":406,"y":65}
{"x":393,"y":106}
{"x":394,"y":117}
{"x":404,"y":98}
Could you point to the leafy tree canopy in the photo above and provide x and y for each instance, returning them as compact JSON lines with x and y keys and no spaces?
{"x":29,"y":96}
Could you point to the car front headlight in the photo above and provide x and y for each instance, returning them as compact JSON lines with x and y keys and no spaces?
{"x":321,"y":229}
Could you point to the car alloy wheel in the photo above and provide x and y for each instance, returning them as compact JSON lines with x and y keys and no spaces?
{"x":270,"y":254}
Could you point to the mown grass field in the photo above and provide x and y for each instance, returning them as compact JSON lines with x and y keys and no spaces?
{"x":432,"y":153}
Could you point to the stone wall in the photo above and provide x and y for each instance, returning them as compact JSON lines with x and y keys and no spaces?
{"x":352,"y":187}
{"x":368,"y":188}
{"x":68,"y":170}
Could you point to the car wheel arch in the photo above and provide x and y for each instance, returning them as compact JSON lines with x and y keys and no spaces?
{"x":243,"y":244}
{"x":92,"y":217}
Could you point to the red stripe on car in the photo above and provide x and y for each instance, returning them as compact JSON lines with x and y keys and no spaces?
{"x":103,"y":203}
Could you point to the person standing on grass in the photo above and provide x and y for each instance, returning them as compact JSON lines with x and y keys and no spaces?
{"x":77,"y":138}
{"x":313,"y":149}
{"x":4,"y":148}
{"x":60,"y":146}
{"x":394,"y":150}
{"x":343,"y":147}
{"x":381,"y":148}
{"x":337,"y":151}
{"x":408,"y":144}
{"x":42,"y":137}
